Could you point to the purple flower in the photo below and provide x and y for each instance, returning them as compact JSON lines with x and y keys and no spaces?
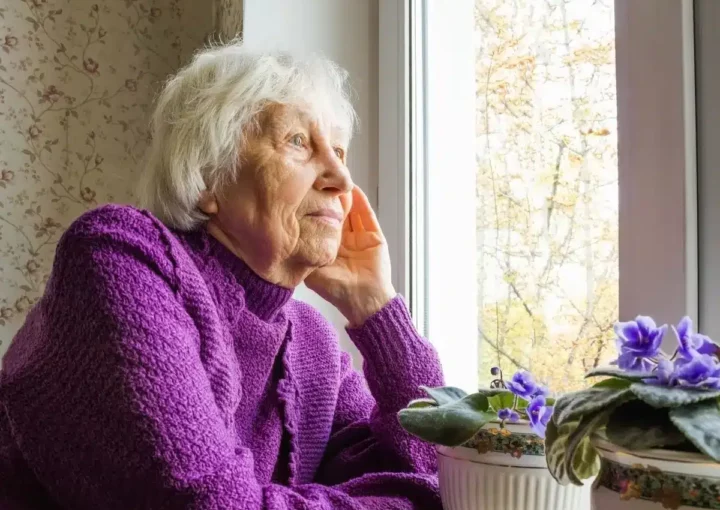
{"x":691,"y":343}
{"x":638,"y":341}
{"x":541,"y":391}
{"x":662,"y":376}
{"x":702,"y":371}
{"x":523,"y":385}
{"x":508,"y":415}
{"x":539,"y":415}
{"x":628,"y":361}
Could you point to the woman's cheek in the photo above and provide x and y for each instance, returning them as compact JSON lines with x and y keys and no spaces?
{"x":296,"y":185}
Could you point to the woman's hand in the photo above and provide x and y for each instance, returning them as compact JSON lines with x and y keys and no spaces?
{"x":358,"y":283}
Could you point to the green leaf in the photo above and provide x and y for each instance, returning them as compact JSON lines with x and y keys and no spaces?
{"x":663,"y":396}
{"x":586,"y":461}
{"x":504,"y":400}
{"x":639,"y":426}
{"x":552,"y":452}
{"x":491,"y":392}
{"x":450,"y":424}
{"x":700,"y":423}
{"x":444,"y":394}
{"x":614,"y":383}
{"x":422,"y":402}
{"x":572,"y":406}
{"x":570,"y":455}
{"x":620,"y":374}
{"x":581,"y":458}
{"x":556,"y":440}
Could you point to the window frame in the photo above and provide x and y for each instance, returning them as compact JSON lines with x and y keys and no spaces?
{"x":657,"y":159}
{"x":393,"y":136}
{"x":657,"y":164}
{"x":707,"y":37}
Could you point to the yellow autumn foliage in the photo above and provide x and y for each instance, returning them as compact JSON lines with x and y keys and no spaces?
{"x":546,"y":187}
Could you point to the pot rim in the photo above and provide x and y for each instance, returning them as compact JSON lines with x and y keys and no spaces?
{"x":465,"y":454}
{"x":601,"y":442}
{"x":520,"y":427}
{"x":691,"y":464}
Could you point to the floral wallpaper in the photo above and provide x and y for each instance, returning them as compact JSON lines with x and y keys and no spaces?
{"x":228,"y":21}
{"x":77,"y":79}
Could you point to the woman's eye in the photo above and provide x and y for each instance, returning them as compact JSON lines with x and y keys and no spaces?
{"x":298,"y":140}
{"x":339,"y":152}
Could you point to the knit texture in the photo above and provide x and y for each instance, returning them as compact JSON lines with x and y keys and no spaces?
{"x":159,"y":372}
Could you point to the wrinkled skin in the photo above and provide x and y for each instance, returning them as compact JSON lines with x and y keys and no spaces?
{"x":293,"y":214}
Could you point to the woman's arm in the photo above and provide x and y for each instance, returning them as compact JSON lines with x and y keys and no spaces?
{"x":397,"y":360}
{"x":113,"y":408}
{"x":366,"y":432}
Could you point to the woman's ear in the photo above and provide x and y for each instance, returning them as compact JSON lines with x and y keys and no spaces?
{"x":208,"y":203}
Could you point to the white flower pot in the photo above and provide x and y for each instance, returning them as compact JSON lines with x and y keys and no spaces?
{"x":504,"y":471}
{"x":654,"y":480}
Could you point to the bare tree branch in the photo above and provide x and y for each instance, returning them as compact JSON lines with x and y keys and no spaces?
{"x":495,"y":346}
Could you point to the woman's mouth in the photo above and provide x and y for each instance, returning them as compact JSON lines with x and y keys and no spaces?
{"x":329,"y":216}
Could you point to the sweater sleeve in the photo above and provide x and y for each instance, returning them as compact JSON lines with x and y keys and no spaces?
{"x":366,"y":431}
{"x":116,"y":410}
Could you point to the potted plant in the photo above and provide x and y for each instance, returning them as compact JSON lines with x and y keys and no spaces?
{"x":491,"y":451}
{"x":651,"y":428}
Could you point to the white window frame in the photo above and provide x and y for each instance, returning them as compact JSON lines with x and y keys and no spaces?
{"x":707,"y":39}
{"x":393,"y":137}
{"x":656,"y":157}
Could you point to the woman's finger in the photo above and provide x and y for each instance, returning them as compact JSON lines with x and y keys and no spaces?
{"x":357,"y":222}
{"x":361,"y":206}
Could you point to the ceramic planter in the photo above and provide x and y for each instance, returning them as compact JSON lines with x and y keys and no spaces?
{"x":504,"y":469}
{"x":654,"y":480}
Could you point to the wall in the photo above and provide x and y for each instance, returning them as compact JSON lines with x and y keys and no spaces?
{"x":76,"y":84}
{"x":346,"y":32}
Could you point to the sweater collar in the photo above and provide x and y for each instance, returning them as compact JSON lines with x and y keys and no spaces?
{"x":262,"y":298}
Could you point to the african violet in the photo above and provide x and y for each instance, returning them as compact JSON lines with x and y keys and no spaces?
{"x":650,"y":400}
{"x":451,"y":417}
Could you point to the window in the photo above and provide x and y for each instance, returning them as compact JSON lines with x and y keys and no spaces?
{"x":547,"y":195}
{"x":545,"y":179}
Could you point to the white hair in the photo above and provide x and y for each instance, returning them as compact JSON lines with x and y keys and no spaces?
{"x":205,"y":110}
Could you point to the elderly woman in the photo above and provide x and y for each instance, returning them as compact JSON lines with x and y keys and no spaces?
{"x":167,"y":365}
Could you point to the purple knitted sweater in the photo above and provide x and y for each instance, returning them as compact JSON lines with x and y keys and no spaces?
{"x":158,"y":371}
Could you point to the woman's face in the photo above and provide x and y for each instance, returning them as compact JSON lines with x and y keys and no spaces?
{"x":284,"y":213}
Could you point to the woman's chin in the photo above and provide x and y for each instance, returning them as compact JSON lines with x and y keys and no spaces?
{"x":328,"y":258}
{"x":319,"y":251}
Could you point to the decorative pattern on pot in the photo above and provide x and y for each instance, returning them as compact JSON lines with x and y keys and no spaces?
{"x":672,"y":490}
{"x":502,"y":440}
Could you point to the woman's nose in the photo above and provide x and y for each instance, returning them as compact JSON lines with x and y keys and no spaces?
{"x":334,"y":175}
